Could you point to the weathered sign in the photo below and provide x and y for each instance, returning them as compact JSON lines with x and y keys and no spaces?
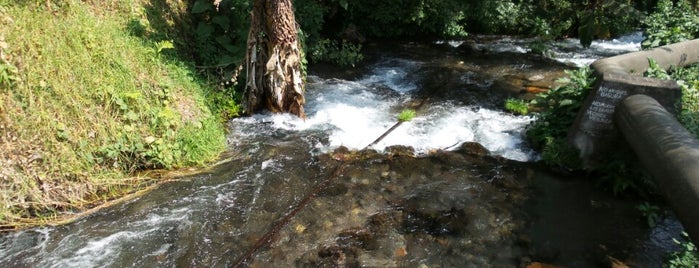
{"x":594,"y":132}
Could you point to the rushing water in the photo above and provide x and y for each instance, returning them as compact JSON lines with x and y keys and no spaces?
{"x":355,"y":113}
{"x":444,"y":202}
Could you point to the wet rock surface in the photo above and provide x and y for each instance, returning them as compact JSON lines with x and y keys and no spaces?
{"x":446,"y":209}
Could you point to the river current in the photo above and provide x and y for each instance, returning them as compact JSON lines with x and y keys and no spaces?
{"x":456,"y":186}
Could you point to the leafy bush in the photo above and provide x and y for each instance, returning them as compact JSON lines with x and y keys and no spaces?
{"x":345,"y":54}
{"x":220,"y":32}
{"x":408,"y":18}
{"x":671,"y":22}
{"x":554,"y":18}
{"x":559,"y":108}
{"x":688,"y":79}
{"x":687,"y":257}
{"x":606,"y":18}
{"x":517,"y":106}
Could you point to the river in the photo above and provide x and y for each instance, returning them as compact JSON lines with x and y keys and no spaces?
{"x":457,"y":186}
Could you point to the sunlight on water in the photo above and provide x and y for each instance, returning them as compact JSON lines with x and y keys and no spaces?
{"x":354,"y":114}
{"x":568,"y":51}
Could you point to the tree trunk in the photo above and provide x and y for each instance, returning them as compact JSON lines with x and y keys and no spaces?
{"x":274,"y":75}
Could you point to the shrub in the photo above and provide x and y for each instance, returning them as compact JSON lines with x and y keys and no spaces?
{"x":687,"y":257}
{"x":559,"y":108}
{"x":688,"y":79}
{"x":408,"y":18}
{"x":345,"y":54}
{"x":671,"y":22}
{"x":517,"y":106}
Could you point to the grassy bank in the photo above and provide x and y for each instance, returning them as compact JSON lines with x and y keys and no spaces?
{"x":91,"y":93}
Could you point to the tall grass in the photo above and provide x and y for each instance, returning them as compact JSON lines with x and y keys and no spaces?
{"x":89,"y":105}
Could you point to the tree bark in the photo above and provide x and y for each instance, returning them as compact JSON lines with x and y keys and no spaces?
{"x":273,"y":60}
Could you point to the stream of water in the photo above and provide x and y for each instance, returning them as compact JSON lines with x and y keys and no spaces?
{"x":457,"y":186}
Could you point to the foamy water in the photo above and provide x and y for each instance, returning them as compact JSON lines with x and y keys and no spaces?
{"x":355,"y":113}
{"x":568,"y":51}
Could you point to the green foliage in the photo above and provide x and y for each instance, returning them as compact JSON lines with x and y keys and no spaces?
{"x":221,"y":32}
{"x":406,"y":115}
{"x":650,"y":212}
{"x":408,"y":18}
{"x":605,"y":18}
{"x":688,"y":79}
{"x":310,"y":15}
{"x":8,"y":74}
{"x":621,"y":173}
{"x":559,"y":108}
{"x":101,"y":95}
{"x":517,"y":106}
{"x":492,"y":16}
{"x":687,"y":257}
{"x":554,"y":18}
{"x":671,"y":22}
{"x":345,"y":54}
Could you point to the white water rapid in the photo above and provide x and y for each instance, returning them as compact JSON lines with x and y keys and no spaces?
{"x":355,"y":113}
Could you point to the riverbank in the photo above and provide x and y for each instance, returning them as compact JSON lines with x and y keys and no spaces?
{"x":91,"y":95}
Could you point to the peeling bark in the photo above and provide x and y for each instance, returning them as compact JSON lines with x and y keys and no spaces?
{"x":273,"y":60}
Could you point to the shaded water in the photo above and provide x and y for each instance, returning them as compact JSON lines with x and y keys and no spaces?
{"x":448,"y":203}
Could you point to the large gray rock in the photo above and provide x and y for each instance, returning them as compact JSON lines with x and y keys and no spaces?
{"x":594,"y":132}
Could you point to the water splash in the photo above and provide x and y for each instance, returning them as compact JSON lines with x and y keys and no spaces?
{"x":355,"y":113}
{"x":568,"y":51}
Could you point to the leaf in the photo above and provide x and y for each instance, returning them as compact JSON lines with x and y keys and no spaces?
{"x":164,"y":45}
{"x":222,"y":21}
{"x":132,"y":95}
{"x":566,"y":102}
{"x":131,"y":116}
{"x":201,"y":6}
{"x":122,"y":105}
{"x":344,"y":4}
{"x":204,"y":30}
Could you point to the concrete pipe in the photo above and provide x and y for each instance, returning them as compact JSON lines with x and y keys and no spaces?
{"x":668,"y":151}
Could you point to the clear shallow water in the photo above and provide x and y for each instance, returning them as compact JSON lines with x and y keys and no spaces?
{"x":449,"y":208}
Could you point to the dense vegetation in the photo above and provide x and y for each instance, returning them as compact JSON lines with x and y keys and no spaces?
{"x":559,"y":106}
{"x":334,"y":30}
{"x":90,"y":95}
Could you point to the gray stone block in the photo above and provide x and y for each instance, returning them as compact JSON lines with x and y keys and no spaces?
{"x":594,"y":132}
